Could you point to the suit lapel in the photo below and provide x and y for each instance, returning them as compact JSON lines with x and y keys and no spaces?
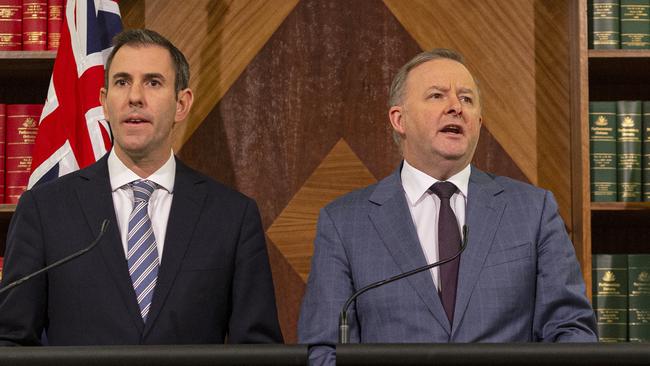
{"x":484,"y":211}
{"x":393,"y":222}
{"x":184,"y":214}
{"x":96,"y":201}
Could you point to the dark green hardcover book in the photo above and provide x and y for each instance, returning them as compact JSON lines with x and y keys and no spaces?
{"x":628,"y":150}
{"x":635,"y":24}
{"x":645,"y":160}
{"x":639,"y":297}
{"x":604,"y":23}
{"x":610,"y":296}
{"x":602,"y":151}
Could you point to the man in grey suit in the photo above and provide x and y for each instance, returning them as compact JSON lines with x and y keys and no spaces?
{"x":518,"y":279}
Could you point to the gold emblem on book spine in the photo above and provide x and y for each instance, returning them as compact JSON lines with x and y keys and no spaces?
{"x":643,"y":277}
{"x":609,"y":276}
{"x":627,"y":122}
{"x":29,"y":122}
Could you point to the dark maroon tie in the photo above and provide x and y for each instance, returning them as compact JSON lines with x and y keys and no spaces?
{"x":448,"y":246}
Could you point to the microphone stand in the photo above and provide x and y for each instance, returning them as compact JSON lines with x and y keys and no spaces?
{"x":18,"y":282}
{"x":344,"y":330}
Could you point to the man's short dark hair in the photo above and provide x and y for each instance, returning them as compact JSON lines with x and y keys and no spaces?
{"x":146,"y":37}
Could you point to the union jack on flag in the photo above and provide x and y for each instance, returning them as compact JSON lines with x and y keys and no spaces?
{"x":72,"y":132}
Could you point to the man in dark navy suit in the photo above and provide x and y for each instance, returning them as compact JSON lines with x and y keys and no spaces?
{"x":184,"y":259}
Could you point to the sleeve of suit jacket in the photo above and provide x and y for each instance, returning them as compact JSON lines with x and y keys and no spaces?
{"x":254,"y":316}
{"x":23,"y":309}
{"x":328,"y":288}
{"x":562,"y":311}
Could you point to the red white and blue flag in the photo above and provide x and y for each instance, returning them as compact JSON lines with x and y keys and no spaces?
{"x":72,"y":132}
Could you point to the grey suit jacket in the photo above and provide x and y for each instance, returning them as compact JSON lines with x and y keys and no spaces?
{"x":519,"y":280}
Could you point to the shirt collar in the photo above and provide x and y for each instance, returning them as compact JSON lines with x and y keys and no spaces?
{"x":416,"y":183}
{"x":120,"y":175}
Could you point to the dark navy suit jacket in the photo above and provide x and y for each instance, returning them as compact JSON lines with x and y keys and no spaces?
{"x":214,"y":280}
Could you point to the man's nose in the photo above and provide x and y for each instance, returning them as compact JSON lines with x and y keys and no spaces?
{"x":136,"y":97}
{"x":455,"y":107}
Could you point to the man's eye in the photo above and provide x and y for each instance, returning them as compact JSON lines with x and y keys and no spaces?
{"x":467,"y":100}
{"x":154,"y":83}
{"x":436,"y":95}
{"x":120,"y":82}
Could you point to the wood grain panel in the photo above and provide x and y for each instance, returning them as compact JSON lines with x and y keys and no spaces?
{"x":553,"y":106}
{"x":293,"y":232}
{"x":518,"y":50}
{"x":219,"y":39}
{"x":132,"y":12}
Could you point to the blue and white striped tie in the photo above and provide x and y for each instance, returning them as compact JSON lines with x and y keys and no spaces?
{"x":142,"y":254}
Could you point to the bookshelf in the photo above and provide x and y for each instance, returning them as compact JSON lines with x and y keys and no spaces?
{"x":24,"y":78}
{"x":600,"y":75}
{"x":25,"y":75}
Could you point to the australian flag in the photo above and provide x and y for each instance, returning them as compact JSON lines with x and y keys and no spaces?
{"x":72,"y":132}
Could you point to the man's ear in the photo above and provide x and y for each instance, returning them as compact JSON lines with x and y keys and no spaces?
{"x":396,"y":116}
{"x":183,"y":104}
{"x":102,"y":101}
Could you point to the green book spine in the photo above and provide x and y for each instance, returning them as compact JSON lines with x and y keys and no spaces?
{"x":639,"y":297}
{"x":604,"y":19}
{"x":610,"y":296}
{"x":635,"y":24}
{"x":628,"y":150}
{"x":645,"y":160}
{"x":602,"y":151}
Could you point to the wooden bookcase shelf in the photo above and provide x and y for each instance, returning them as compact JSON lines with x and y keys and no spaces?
{"x":25,"y":75}
{"x":621,"y":206}
{"x":24,"y":78}
{"x":603,"y":75}
{"x":619,"y":74}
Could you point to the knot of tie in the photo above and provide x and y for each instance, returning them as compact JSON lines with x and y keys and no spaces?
{"x":444,"y":190}
{"x":142,"y":189}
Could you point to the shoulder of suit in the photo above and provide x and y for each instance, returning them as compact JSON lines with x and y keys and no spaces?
{"x":213,"y":186}
{"x":513,"y":186}
{"x":357,"y":198}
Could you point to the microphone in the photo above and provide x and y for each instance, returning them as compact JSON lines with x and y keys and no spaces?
{"x":72,"y":256}
{"x":344,"y":330}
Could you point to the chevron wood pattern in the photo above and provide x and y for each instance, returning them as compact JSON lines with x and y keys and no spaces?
{"x":293,"y":232}
{"x":219,"y":39}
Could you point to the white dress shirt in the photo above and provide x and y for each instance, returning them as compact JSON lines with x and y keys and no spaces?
{"x":160,"y":202}
{"x":424,"y":207}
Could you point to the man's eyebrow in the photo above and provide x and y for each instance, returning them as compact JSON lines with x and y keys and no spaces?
{"x":438,"y":87}
{"x":121,"y":75}
{"x":466,"y":90}
{"x":153,"y":75}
